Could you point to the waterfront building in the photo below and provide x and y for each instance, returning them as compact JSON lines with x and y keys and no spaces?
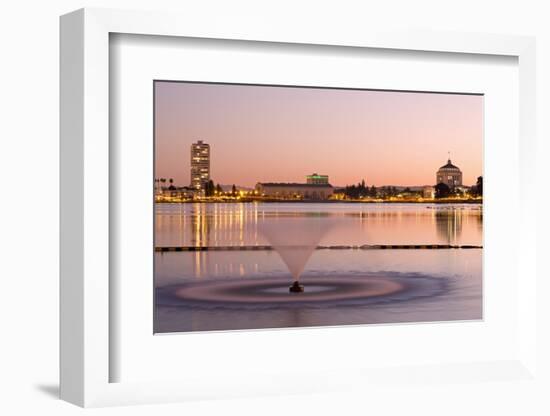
{"x":428,"y":192}
{"x":173,"y":192}
{"x":450,"y":175}
{"x":316,"y":179}
{"x":295,"y":190}
{"x":200,"y":165}
{"x":463,"y":189}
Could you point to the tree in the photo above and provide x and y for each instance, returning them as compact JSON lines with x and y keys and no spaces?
{"x":219,"y":189}
{"x":479,"y":186}
{"x":373,"y":191}
{"x":442,"y":190}
{"x":234,"y":190}
{"x":209,"y":188}
{"x":171,"y":187}
{"x":356,"y":191}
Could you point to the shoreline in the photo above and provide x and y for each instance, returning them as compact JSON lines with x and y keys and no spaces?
{"x":275,"y":201}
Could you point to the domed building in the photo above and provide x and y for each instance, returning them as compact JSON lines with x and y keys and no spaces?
{"x":450,"y":175}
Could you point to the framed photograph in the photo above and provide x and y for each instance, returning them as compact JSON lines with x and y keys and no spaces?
{"x":245,"y":238}
{"x":261,"y":213}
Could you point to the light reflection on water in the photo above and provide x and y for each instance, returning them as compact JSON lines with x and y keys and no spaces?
{"x":356,"y":224}
{"x":237,"y":224}
{"x":459,"y":270}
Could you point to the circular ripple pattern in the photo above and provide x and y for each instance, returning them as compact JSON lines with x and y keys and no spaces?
{"x":320,"y":291}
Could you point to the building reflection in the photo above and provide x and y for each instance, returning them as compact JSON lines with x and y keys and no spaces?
{"x":479,"y":222}
{"x":219,"y":224}
{"x":214,"y":225}
{"x":201,"y":226}
{"x":449,"y":225}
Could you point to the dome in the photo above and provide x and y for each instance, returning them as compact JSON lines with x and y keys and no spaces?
{"x":449,"y":166}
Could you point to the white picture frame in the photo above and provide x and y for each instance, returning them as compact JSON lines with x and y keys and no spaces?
{"x":85,"y":176}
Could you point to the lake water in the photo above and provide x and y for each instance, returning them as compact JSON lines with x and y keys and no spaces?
{"x":226,"y":290}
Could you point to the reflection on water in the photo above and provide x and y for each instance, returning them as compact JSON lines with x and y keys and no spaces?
{"x":449,"y":224}
{"x":452,"y":289}
{"x":454,"y":273}
{"x":237,"y":224}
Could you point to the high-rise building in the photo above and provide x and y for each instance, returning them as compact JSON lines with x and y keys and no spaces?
{"x":316,"y":179}
{"x":450,"y":175}
{"x":200,"y":165}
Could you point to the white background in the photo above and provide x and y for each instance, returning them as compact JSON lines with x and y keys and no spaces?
{"x":29,"y":172}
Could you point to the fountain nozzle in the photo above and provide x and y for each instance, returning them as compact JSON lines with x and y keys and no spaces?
{"x":296,"y":287}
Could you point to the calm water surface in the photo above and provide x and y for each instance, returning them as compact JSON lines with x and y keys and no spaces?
{"x":237,"y":224}
{"x":442,"y":284}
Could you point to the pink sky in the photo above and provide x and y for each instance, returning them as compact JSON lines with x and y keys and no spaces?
{"x":281,"y":134}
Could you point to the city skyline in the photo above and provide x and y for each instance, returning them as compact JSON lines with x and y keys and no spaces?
{"x":279,"y":134}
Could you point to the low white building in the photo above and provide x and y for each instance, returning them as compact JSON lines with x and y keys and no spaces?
{"x":428,"y":192}
{"x":183,"y":192}
{"x":295,"y":190}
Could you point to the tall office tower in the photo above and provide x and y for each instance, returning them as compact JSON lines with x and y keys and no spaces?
{"x":200,"y":165}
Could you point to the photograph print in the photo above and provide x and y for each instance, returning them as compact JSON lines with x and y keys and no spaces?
{"x":295,"y":206}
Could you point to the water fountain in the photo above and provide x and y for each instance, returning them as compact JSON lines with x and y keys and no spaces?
{"x":295,"y":238}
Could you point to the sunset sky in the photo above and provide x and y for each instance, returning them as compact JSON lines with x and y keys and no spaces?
{"x":282,"y":134}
